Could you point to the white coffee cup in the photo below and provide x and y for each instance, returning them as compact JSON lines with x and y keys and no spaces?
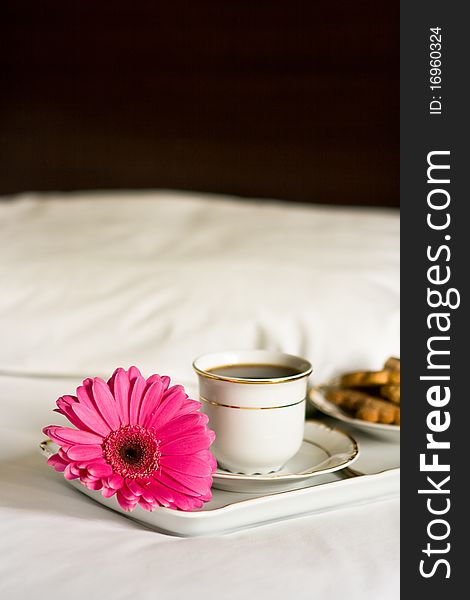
{"x":258,"y":422}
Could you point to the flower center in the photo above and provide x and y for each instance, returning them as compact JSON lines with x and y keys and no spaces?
{"x":132,"y":451}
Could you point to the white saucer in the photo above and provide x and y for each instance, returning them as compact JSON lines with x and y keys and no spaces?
{"x":317,"y":398}
{"x":324,"y":450}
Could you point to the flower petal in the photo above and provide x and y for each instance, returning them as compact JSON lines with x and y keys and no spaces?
{"x":100,"y":469}
{"x":199,"y":485}
{"x":177,"y":485}
{"x":107,"y":492}
{"x":121,"y":394}
{"x":133,"y":374}
{"x":181,"y":426}
{"x":84,"y":452}
{"x":150,"y":401}
{"x":136,"y":398}
{"x":86,"y":397}
{"x":188,"y":445}
{"x":75,"y":469}
{"x":64,"y":407}
{"x":67,"y":399}
{"x":71,"y":436}
{"x":172,"y":401}
{"x":181,"y":501}
{"x":91,"y":418}
{"x":115,"y":481}
{"x":193,"y":464}
{"x":128,"y":494}
{"x":147,"y":494}
{"x":147,"y":505}
{"x":106,"y":403}
{"x":94,"y":485}
{"x":62,"y":454}
{"x":57,"y":463}
{"x":164,"y":495}
{"x":124,"y":503}
{"x":134,"y":487}
{"x":70,"y":473}
{"x":189,"y":406}
{"x":163,"y":378}
{"x":85,"y":393}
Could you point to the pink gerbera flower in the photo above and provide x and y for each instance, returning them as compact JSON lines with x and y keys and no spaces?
{"x":137,"y":438}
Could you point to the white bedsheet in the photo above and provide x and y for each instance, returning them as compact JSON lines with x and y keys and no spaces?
{"x":97,"y":281}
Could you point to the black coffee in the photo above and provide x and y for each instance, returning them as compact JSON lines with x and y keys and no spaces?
{"x":254,"y":371}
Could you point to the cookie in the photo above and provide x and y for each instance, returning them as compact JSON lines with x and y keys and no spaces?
{"x":375,"y":410}
{"x":364,"y":406}
{"x":392,"y":364}
{"x":391,"y":392}
{"x":370,"y":378}
{"x":349,"y":399}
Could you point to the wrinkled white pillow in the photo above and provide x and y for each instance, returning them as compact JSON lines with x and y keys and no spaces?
{"x":91,"y":281}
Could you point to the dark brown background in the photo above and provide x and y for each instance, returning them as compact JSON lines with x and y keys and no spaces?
{"x":295,"y":100}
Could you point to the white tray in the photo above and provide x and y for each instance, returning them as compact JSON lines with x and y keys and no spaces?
{"x":375,"y":476}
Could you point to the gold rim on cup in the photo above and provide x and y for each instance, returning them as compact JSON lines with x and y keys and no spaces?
{"x":305,"y":373}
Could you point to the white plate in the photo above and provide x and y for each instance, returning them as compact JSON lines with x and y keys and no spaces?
{"x":317,"y":398}
{"x":324,"y":450}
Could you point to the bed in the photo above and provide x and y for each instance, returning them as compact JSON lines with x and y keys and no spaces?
{"x":92,"y":281}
